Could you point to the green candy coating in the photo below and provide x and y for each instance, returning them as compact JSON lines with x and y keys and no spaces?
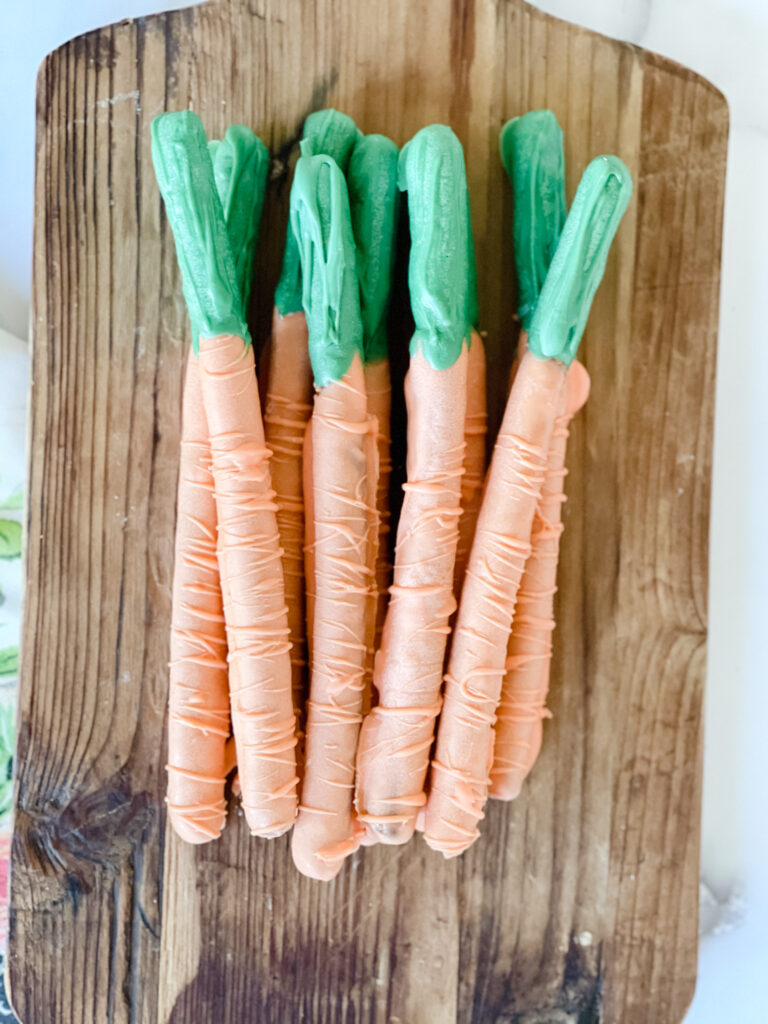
{"x":326,"y":132}
{"x":472,"y":310}
{"x":240,"y":166}
{"x":288,"y":291}
{"x":432,"y":171}
{"x":185,"y":176}
{"x":532,"y":153}
{"x":331,"y":133}
{"x":579,"y":262}
{"x":373,"y":202}
{"x":322,"y":226}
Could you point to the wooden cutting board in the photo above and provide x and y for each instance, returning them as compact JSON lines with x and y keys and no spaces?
{"x":579,"y":904}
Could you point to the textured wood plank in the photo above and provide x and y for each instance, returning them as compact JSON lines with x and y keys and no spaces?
{"x":579,"y":903}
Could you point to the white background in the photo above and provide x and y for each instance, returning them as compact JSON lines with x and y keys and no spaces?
{"x":726,"y":40}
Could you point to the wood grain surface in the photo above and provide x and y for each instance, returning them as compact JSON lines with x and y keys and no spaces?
{"x":579,"y":904}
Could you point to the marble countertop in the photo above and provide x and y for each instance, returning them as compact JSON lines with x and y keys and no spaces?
{"x":726,"y":41}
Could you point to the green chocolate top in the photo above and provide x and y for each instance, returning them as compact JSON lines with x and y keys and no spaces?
{"x":334,"y":134}
{"x":331,"y":133}
{"x":472,"y":311}
{"x":579,"y":262}
{"x":532,"y":154}
{"x":288,"y":291}
{"x":432,"y":170}
{"x":373,"y":201}
{"x":185,"y":175}
{"x":240,"y":165}
{"x":321,"y":223}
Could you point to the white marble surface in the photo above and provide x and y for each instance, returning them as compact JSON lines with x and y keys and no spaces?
{"x":727,"y":41}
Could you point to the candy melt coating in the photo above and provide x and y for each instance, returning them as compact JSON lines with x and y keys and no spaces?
{"x":472,"y":311}
{"x":393,"y":754}
{"x":185,"y":176}
{"x":521,"y":710}
{"x":579,"y":262}
{"x":240,"y":165}
{"x":373,"y":202}
{"x":432,"y":171}
{"x":341,"y":500}
{"x":287,"y":407}
{"x":198,"y":691}
{"x":532,"y":153}
{"x":248,"y":550}
{"x":321,"y":223}
{"x":331,"y":133}
{"x":464,"y":749}
{"x":475,"y":430}
{"x":334,"y":134}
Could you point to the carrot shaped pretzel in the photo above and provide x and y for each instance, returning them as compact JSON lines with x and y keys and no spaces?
{"x":343,"y":452}
{"x":248,"y":549}
{"x":199,"y":719}
{"x":518,"y":729}
{"x":475,"y":425}
{"x":397,"y":735}
{"x":532,"y":153}
{"x":288,"y":402}
{"x":373,"y":203}
{"x":464,"y":751}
